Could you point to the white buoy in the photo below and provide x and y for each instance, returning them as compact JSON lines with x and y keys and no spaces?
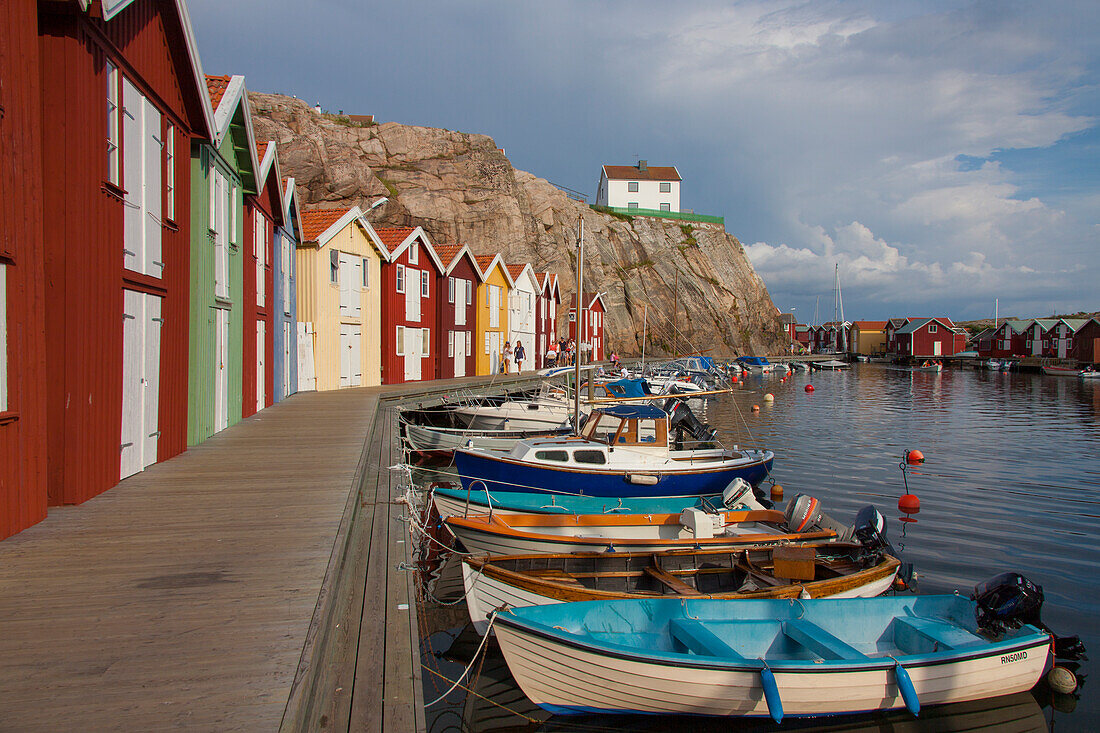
{"x":1061,"y":680}
{"x":769,"y":397}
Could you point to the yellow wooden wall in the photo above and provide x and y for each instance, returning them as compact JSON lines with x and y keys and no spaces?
{"x":495,"y":276}
{"x":319,"y":303}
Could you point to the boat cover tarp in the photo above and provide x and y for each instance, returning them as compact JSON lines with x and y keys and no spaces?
{"x":629,"y":412}
{"x":753,"y":360}
{"x":627,"y":388}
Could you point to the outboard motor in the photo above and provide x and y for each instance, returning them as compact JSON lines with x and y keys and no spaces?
{"x":1009,"y":600}
{"x":683,"y":420}
{"x":870,"y":531}
{"x":804,"y":513}
{"x":740,"y":494}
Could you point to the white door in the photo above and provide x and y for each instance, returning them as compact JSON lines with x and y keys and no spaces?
{"x":494,"y":352}
{"x":460,"y":302}
{"x":307,"y":375}
{"x":261,"y":349}
{"x":412,"y":294}
{"x":221,"y":369}
{"x":460,"y":351}
{"x":287,"y":335}
{"x":414,"y":353}
{"x":1063,"y":348}
{"x":140,"y":382}
{"x":936,"y":348}
{"x":1037,"y":342}
{"x":346,"y":348}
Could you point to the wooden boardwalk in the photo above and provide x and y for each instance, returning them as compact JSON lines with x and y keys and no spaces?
{"x":252,"y":583}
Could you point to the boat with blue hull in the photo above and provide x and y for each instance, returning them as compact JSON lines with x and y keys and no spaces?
{"x":625,"y":451}
{"x":765,"y":657}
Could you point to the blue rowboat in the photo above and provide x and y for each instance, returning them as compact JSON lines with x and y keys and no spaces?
{"x":764,"y":657}
{"x":625,"y":451}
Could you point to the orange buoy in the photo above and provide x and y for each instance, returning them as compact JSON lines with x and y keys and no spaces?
{"x":914,"y":457}
{"x":809,"y":388}
{"x":909,"y":503}
{"x":734,"y":378}
{"x":777,"y":492}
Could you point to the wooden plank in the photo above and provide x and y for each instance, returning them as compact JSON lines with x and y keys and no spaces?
{"x":671,"y":581}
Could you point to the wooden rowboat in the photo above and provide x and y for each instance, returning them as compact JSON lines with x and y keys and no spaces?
{"x":517,"y":534}
{"x":764,"y":657}
{"x":835,"y":570}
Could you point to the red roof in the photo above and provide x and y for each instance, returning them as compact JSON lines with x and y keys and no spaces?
{"x":870,"y":325}
{"x":447,"y":253}
{"x":515,"y":270}
{"x":589,"y":297}
{"x":314,"y":223}
{"x":392,"y":237}
{"x":261,"y":148}
{"x":632,"y":173}
{"x":216,"y":86}
{"x":484,"y":261}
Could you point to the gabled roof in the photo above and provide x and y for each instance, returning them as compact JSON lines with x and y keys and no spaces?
{"x":870,"y":325}
{"x":916,"y":324}
{"x":398,"y":239}
{"x":228,"y":96}
{"x":524,"y":270}
{"x":1017,"y":326}
{"x":801,"y":329}
{"x":269,"y":166}
{"x":486,"y":263}
{"x":589,"y":300}
{"x":548,"y":283}
{"x":290,"y":207}
{"x":451,"y":254}
{"x":321,"y":225}
{"x":897,"y":322}
{"x":111,"y":8}
{"x":633,"y":173}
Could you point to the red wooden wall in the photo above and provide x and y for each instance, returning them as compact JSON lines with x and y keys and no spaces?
{"x":393,"y":315}
{"x":83,"y":238}
{"x":268,"y":203}
{"x":445,"y":366}
{"x":23,"y":424}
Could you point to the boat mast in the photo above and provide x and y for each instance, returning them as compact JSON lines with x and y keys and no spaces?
{"x":577,"y":330}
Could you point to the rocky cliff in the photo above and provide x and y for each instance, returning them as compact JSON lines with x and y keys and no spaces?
{"x":701,"y":290}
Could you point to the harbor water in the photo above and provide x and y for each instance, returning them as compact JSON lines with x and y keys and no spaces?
{"x":1011,"y":481}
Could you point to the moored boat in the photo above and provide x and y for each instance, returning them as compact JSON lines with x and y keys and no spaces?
{"x":837,"y":570}
{"x":1060,"y":371}
{"x":626,"y":450}
{"x":765,"y":657}
{"x":429,"y":438}
{"x":516,"y":534}
{"x":451,"y":499}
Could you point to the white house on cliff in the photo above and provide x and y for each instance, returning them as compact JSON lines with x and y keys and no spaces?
{"x":639,"y":186}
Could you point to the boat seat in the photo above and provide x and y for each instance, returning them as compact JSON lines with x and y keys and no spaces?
{"x":941,"y":633}
{"x":700,"y":640}
{"x":819,"y":641}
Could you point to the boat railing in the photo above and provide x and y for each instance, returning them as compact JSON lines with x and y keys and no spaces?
{"x":488,"y":498}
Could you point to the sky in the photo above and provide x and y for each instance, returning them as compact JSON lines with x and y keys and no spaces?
{"x":943,"y":156}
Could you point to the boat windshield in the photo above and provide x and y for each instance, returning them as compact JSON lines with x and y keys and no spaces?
{"x":614,"y":431}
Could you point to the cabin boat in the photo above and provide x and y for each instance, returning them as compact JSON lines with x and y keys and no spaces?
{"x":516,"y":534}
{"x":837,"y":570}
{"x":548,"y":410}
{"x":764,"y":657}
{"x":430,"y":438}
{"x":757,"y":364}
{"x":625,"y":450}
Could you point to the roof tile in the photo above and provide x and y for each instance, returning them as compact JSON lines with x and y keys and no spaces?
{"x":651,"y":173}
{"x":392,"y":237}
{"x":216,"y":86}
{"x":314,"y":223}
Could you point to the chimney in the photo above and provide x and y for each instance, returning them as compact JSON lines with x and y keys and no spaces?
{"x":642,"y":165}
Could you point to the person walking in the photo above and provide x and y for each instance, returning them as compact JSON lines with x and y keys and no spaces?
{"x":507,"y":357}
{"x":520,"y":354}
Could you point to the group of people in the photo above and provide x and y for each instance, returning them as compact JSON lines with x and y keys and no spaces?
{"x":508,"y":355}
{"x":563,"y":353}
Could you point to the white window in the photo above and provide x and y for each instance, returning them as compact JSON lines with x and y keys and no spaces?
{"x":494,"y":306}
{"x":259,"y":244}
{"x":469,"y":341}
{"x":450,"y":344}
{"x":632,"y":205}
{"x":220,"y":206}
{"x":334,"y":266}
{"x":666,"y":207}
{"x":284,"y":252}
{"x":400,"y":340}
{"x":112,"y":123}
{"x":424,"y":293}
{"x":469,"y":292}
{"x":3,"y":337}
{"x":632,"y":187}
{"x":414,"y":253}
{"x":400,"y":278}
{"x":214,"y":192}
{"x":233,"y":214}
{"x":666,"y":187}
{"x":932,"y":328}
{"x":450,"y":290}
{"x":366,"y":273}
{"x":170,"y":172}
{"x":425,"y":341}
